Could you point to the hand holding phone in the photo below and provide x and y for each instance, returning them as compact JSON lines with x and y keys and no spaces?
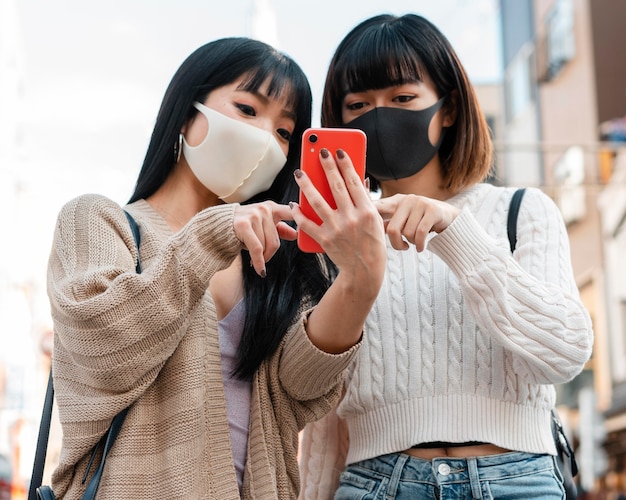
{"x":353,"y":142}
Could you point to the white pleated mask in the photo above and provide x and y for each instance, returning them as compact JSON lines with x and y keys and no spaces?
{"x":235,"y":160}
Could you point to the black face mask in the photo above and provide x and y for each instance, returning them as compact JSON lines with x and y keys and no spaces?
{"x":397,"y":140}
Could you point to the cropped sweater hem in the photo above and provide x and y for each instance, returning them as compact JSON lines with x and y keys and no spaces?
{"x":394,"y":428}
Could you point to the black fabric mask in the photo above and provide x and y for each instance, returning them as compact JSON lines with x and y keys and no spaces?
{"x":397,"y":140}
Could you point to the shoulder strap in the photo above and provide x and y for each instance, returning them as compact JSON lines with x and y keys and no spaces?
{"x":46,"y":417}
{"x":42,"y":441}
{"x":114,"y":430}
{"x":135,"y":229}
{"x":511,"y":225}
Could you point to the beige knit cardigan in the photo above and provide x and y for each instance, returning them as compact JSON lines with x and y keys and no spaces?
{"x":150,"y":341}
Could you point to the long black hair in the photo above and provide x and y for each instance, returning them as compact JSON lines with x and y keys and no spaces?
{"x":271,"y":303}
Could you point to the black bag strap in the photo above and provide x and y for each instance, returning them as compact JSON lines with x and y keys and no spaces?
{"x":46,"y":418}
{"x":511,"y":226}
{"x":42,"y":441}
{"x":114,"y":430}
{"x":135,"y":229}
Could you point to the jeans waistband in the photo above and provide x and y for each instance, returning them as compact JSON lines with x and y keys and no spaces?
{"x":450,"y":469}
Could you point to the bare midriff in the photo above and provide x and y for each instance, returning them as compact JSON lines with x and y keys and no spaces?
{"x":477,"y":450}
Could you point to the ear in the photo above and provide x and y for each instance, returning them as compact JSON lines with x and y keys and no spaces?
{"x":450,"y":109}
{"x":187,"y":124}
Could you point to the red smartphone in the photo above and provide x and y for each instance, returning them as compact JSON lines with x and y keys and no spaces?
{"x":353,"y":142}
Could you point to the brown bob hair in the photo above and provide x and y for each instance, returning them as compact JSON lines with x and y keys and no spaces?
{"x":388,"y":50}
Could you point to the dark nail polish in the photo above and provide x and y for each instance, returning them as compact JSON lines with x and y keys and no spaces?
{"x":297,"y":173}
{"x":324,"y":152}
{"x":340,"y":154}
{"x":263,"y":273}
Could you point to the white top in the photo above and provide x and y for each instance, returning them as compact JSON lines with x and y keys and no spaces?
{"x":465,"y":339}
{"x":236,"y":390}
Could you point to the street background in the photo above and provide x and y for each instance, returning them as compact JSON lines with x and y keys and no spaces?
{"x":81,"y":84}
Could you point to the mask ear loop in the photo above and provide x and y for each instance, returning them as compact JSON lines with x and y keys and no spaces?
{"x":178,"y":150}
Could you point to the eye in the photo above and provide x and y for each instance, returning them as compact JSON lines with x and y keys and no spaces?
{"x":246,"y":109}
{"x":284,"y":134}
{"x":404,"y":98}
{"x":355,"y":106}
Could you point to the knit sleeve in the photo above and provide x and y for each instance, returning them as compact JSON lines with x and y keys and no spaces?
{"x":114,"y":328}
{"x":307,"y":373}
{"x":297,"y":385}
{"x":528,"y":302}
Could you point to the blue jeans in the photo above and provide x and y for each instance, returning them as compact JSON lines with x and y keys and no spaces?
{"x":506,"y":476}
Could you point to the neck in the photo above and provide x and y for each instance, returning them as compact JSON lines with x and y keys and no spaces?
{"x":427,"y":182}
{"x":181,"y":197}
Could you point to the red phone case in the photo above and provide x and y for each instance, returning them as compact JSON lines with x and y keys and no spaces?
{"x":353,"y":142}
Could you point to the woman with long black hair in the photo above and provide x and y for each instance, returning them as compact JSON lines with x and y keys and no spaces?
{"x":230,"y":339}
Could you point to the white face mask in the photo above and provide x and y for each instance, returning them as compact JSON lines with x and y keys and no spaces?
{"x":235,"y":160}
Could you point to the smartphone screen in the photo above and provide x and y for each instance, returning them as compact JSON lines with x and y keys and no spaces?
{"x":353,"y":142}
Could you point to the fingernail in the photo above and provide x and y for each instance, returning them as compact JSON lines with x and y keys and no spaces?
{"x":324,"y":152}
{"x":263,"y":273}
{"x":367,"y":183}
{"x":340,"y":154}
{"x":297,"y":173}
{"x":291,"y":204}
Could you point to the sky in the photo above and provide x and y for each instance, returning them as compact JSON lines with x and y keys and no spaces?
{"x":81,"y":83}
{"x":94,"y":73}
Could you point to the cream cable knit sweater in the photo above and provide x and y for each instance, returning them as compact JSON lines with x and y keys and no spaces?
{"x":464,"y":341}
{"x":151,"y":341}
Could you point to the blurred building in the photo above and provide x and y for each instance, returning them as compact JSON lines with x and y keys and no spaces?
{"x":563,"y":124}
{"x":612,"y":204}
{"x":490,"y":98}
